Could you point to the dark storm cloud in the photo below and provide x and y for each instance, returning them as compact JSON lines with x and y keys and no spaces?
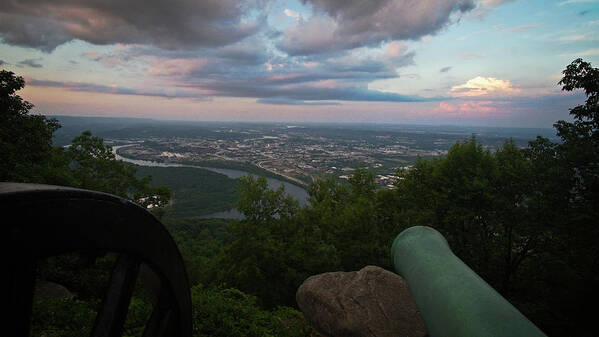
{"x":98,"y":88}
{"x":341,"y":25}
{"x":167,"y":24}
{"x":33,"y":63}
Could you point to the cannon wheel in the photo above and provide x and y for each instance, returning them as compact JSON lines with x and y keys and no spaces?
{"x":45,"y":221}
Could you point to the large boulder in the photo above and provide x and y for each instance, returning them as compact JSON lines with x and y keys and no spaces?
{"x":370,"y":302}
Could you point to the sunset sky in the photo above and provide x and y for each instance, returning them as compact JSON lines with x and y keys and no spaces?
{"x":462,"y":62}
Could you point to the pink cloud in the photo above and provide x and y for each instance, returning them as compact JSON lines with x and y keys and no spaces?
{"x":180,"y":66}
{"x":470,"y":109}
{"x":283,"y":77}
{"x":395,"y":49}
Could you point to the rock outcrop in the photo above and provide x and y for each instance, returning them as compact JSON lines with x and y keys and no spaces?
{"x":370,"y":302}
{"x":47,"y":289}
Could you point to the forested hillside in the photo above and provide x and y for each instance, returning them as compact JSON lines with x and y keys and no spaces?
{"x":195,"y":191}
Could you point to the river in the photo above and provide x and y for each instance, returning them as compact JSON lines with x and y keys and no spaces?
{"x":292,"y":190}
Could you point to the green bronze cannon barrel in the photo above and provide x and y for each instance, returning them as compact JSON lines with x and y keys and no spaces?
{"x":453,"y":300}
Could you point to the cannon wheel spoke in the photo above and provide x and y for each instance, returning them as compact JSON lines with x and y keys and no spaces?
{"x":161,"y":322}
{"x":112,"y":315}
{"x":22,"y":285}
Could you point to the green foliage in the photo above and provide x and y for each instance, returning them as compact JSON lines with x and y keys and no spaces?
{"x":480,"y":201}
{"x":94,"y":167}
{"x":85,"y":274}
{"x":25,"y":140}
{"x":272,"y":250}
{"x":347,"y":216}
{"x":580,"y":147}
{"x":61,"y":317}
{"x":195,"y":192}
{"x":137,"y":315}
{"x":199,"y":241}
{"x":232,"y":313}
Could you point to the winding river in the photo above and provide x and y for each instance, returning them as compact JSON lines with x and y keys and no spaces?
{"x":292,"y":190}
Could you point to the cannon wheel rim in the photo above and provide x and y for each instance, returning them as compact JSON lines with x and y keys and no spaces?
{"x":52,"y":220}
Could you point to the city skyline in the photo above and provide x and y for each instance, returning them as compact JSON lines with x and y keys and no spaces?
{"x":463,"y":62}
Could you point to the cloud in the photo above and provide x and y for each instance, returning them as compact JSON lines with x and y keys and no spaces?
{"x":517,"y":29}
{"x":484,"y":7}
{"x":588,"y":52}
{"x":113,"y":89}
{"x":484,"y":86}
{"x":33,"y":63}
{"x":178,"y":66}
{"x":285,"y":101}
{"x":341,"y":25}
{"x":2,"y":62}
{"x":569,"y":2}
{"x":109,"y":60}
{"x":251,"y":51}
{"x":470,"y":56}
{"x":165,"y":47}
{"x":575,"y":38}
{"x":445,"y":69}
{"x":250,"y":69}
{"x":174,"y":24}
{"x":469,"y":109}
{"x":315,"y":91}
{"x":292,"y":14}
{"x":493,"y":2}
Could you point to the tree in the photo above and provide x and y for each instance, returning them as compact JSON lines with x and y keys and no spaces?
{"x":580,"y":147}
{"x":576,"y":243}
{"x":95,"y":167}
{"x":25,"y":139}
{"x":273,"y":249}
{"x":486,"y":204}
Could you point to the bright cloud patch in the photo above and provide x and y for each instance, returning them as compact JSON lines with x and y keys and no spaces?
{"x":484,"y":86}
{"x":292,"y":14}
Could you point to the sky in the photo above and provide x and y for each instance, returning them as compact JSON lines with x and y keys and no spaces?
{"x":459,"y":62}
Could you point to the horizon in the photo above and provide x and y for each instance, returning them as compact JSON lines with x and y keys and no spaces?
{"x":468,"y":63}
{"x":299,"y":123}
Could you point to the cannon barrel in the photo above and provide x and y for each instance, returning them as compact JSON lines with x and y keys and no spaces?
{"x":453,"y":300}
